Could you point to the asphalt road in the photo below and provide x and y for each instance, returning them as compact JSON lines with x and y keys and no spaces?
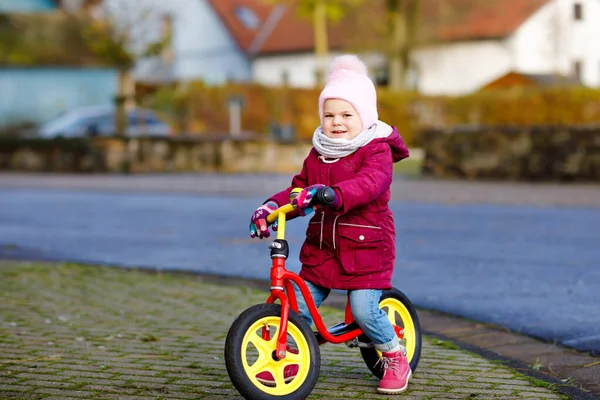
{"x":531,"y":266}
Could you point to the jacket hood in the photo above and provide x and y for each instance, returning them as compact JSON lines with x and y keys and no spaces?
{"x":390,"y":135}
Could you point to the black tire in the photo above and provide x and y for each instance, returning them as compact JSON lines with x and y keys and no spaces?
{"x":371,"y":356}
{"x":241,"y":335}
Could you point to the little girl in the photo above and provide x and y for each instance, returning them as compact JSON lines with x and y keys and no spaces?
{"x":350,"y":245}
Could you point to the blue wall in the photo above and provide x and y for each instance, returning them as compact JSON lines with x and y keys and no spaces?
{"x":203,"y":47}
{"x":26,"y":5}
{"x":38,"y":94}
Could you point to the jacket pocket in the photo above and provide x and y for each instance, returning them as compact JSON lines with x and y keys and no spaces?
{"x":359,"y":248}
{"x":311,"y":252}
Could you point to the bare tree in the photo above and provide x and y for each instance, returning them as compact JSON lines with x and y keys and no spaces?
{"x":121,"y":32}
{"x":389,"y":29}
{"x":321,"y":12}
{"x":403,"y":22}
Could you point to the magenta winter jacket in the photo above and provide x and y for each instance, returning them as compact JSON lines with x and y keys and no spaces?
{"x":354,"y":247}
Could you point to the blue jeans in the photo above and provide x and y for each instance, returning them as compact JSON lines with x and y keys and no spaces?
{"x":365,"y":310}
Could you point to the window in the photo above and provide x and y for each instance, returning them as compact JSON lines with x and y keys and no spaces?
{"x":93,"y":121}
{"x":285,"y":77}
{"x":577,"y":11}
{"x":247,"y":17}
{"x":95,"y":126}
{"x":134,"y":119}
{"x":319,"y":76}
{"x":382,"y":75}
{"x":150,"y":120}
{"x":578,"y":69}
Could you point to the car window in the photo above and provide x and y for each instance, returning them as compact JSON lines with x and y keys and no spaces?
{"x":143,"y":118}
{"x":83,"y":122}
{"x":62,"y":122}
{"x":105,"y":120}
{"x":151,"y":120}
{"x":133,"y":118}
{"x":87,"y":121}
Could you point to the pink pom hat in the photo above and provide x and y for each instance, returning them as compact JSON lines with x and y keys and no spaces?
{"x":349,"y":80}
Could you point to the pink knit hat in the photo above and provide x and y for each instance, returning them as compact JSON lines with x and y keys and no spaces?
{"x":349,"y":80}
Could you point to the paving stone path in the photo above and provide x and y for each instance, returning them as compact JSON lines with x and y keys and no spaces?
{"x":80,"y":332}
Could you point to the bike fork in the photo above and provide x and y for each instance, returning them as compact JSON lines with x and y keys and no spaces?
{"x":281,"y":347}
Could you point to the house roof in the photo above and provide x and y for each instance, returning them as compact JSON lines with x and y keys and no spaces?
{"x":477,"y":19}
{"x":552,"y":79}
{"x":285,"y":32}
{"x":522,"y":79}
{"x":448,"y":20}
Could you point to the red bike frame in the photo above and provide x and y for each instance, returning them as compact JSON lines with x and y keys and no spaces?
{"x":282,"y":278}
{"x":283,"y":290}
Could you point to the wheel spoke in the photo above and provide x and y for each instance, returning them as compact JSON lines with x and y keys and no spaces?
{"x":262,"y":364}
{"x":264,"y":346}
{"x":391,"y":314}
{"x":265,"y":349}
{"x":278,"y":375}
{"x":291,"y":358}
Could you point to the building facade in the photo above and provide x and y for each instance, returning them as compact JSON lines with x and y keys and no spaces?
{"x":558,"y":38}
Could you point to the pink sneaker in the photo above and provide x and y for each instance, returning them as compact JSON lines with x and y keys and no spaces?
{"x":396,"y":373}
{"x":289,"y":373}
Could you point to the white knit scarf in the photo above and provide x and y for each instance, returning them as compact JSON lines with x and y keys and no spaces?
{"x":334,"y":149}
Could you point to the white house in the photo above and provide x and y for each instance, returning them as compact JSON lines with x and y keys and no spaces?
{"x":201,"y":46}
{"x":538,"y":37}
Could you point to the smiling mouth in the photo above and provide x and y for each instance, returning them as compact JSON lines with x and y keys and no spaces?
{"x":338,"y":132}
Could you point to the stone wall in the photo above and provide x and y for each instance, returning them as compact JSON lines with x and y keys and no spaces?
{"x":541,"y":153}
{"x":151,"y":155}
{"x":536,"y":153}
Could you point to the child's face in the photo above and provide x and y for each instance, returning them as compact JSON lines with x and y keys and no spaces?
{"x":340,"y":120}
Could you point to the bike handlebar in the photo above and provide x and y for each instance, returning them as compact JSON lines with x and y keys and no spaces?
{"x":281,"y":210}
{"x":324,"y":197}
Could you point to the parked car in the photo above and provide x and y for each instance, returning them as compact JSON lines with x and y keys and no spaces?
{"x":100,"y":121}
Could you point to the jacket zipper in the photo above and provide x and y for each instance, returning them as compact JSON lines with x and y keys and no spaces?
{"x":334,"y":222}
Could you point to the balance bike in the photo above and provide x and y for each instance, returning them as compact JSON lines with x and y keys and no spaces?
{"x":269,"y":338}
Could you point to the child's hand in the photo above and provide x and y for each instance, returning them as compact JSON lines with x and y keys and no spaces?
{"x":258,"y":222}
{"x":302,"y":201}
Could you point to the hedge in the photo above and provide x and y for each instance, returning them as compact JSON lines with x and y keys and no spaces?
{"x":202,"y":108}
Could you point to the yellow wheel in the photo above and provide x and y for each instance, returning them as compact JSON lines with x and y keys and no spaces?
{"x":402,"y":314}
{"x":251,"y":361}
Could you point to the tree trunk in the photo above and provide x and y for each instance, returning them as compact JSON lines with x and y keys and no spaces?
{"x":404,"y":21}
{"x":125,"y":99}
{"x":320,"y":26}
{"x":398,"y":32}
{"x":411,"y":17}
